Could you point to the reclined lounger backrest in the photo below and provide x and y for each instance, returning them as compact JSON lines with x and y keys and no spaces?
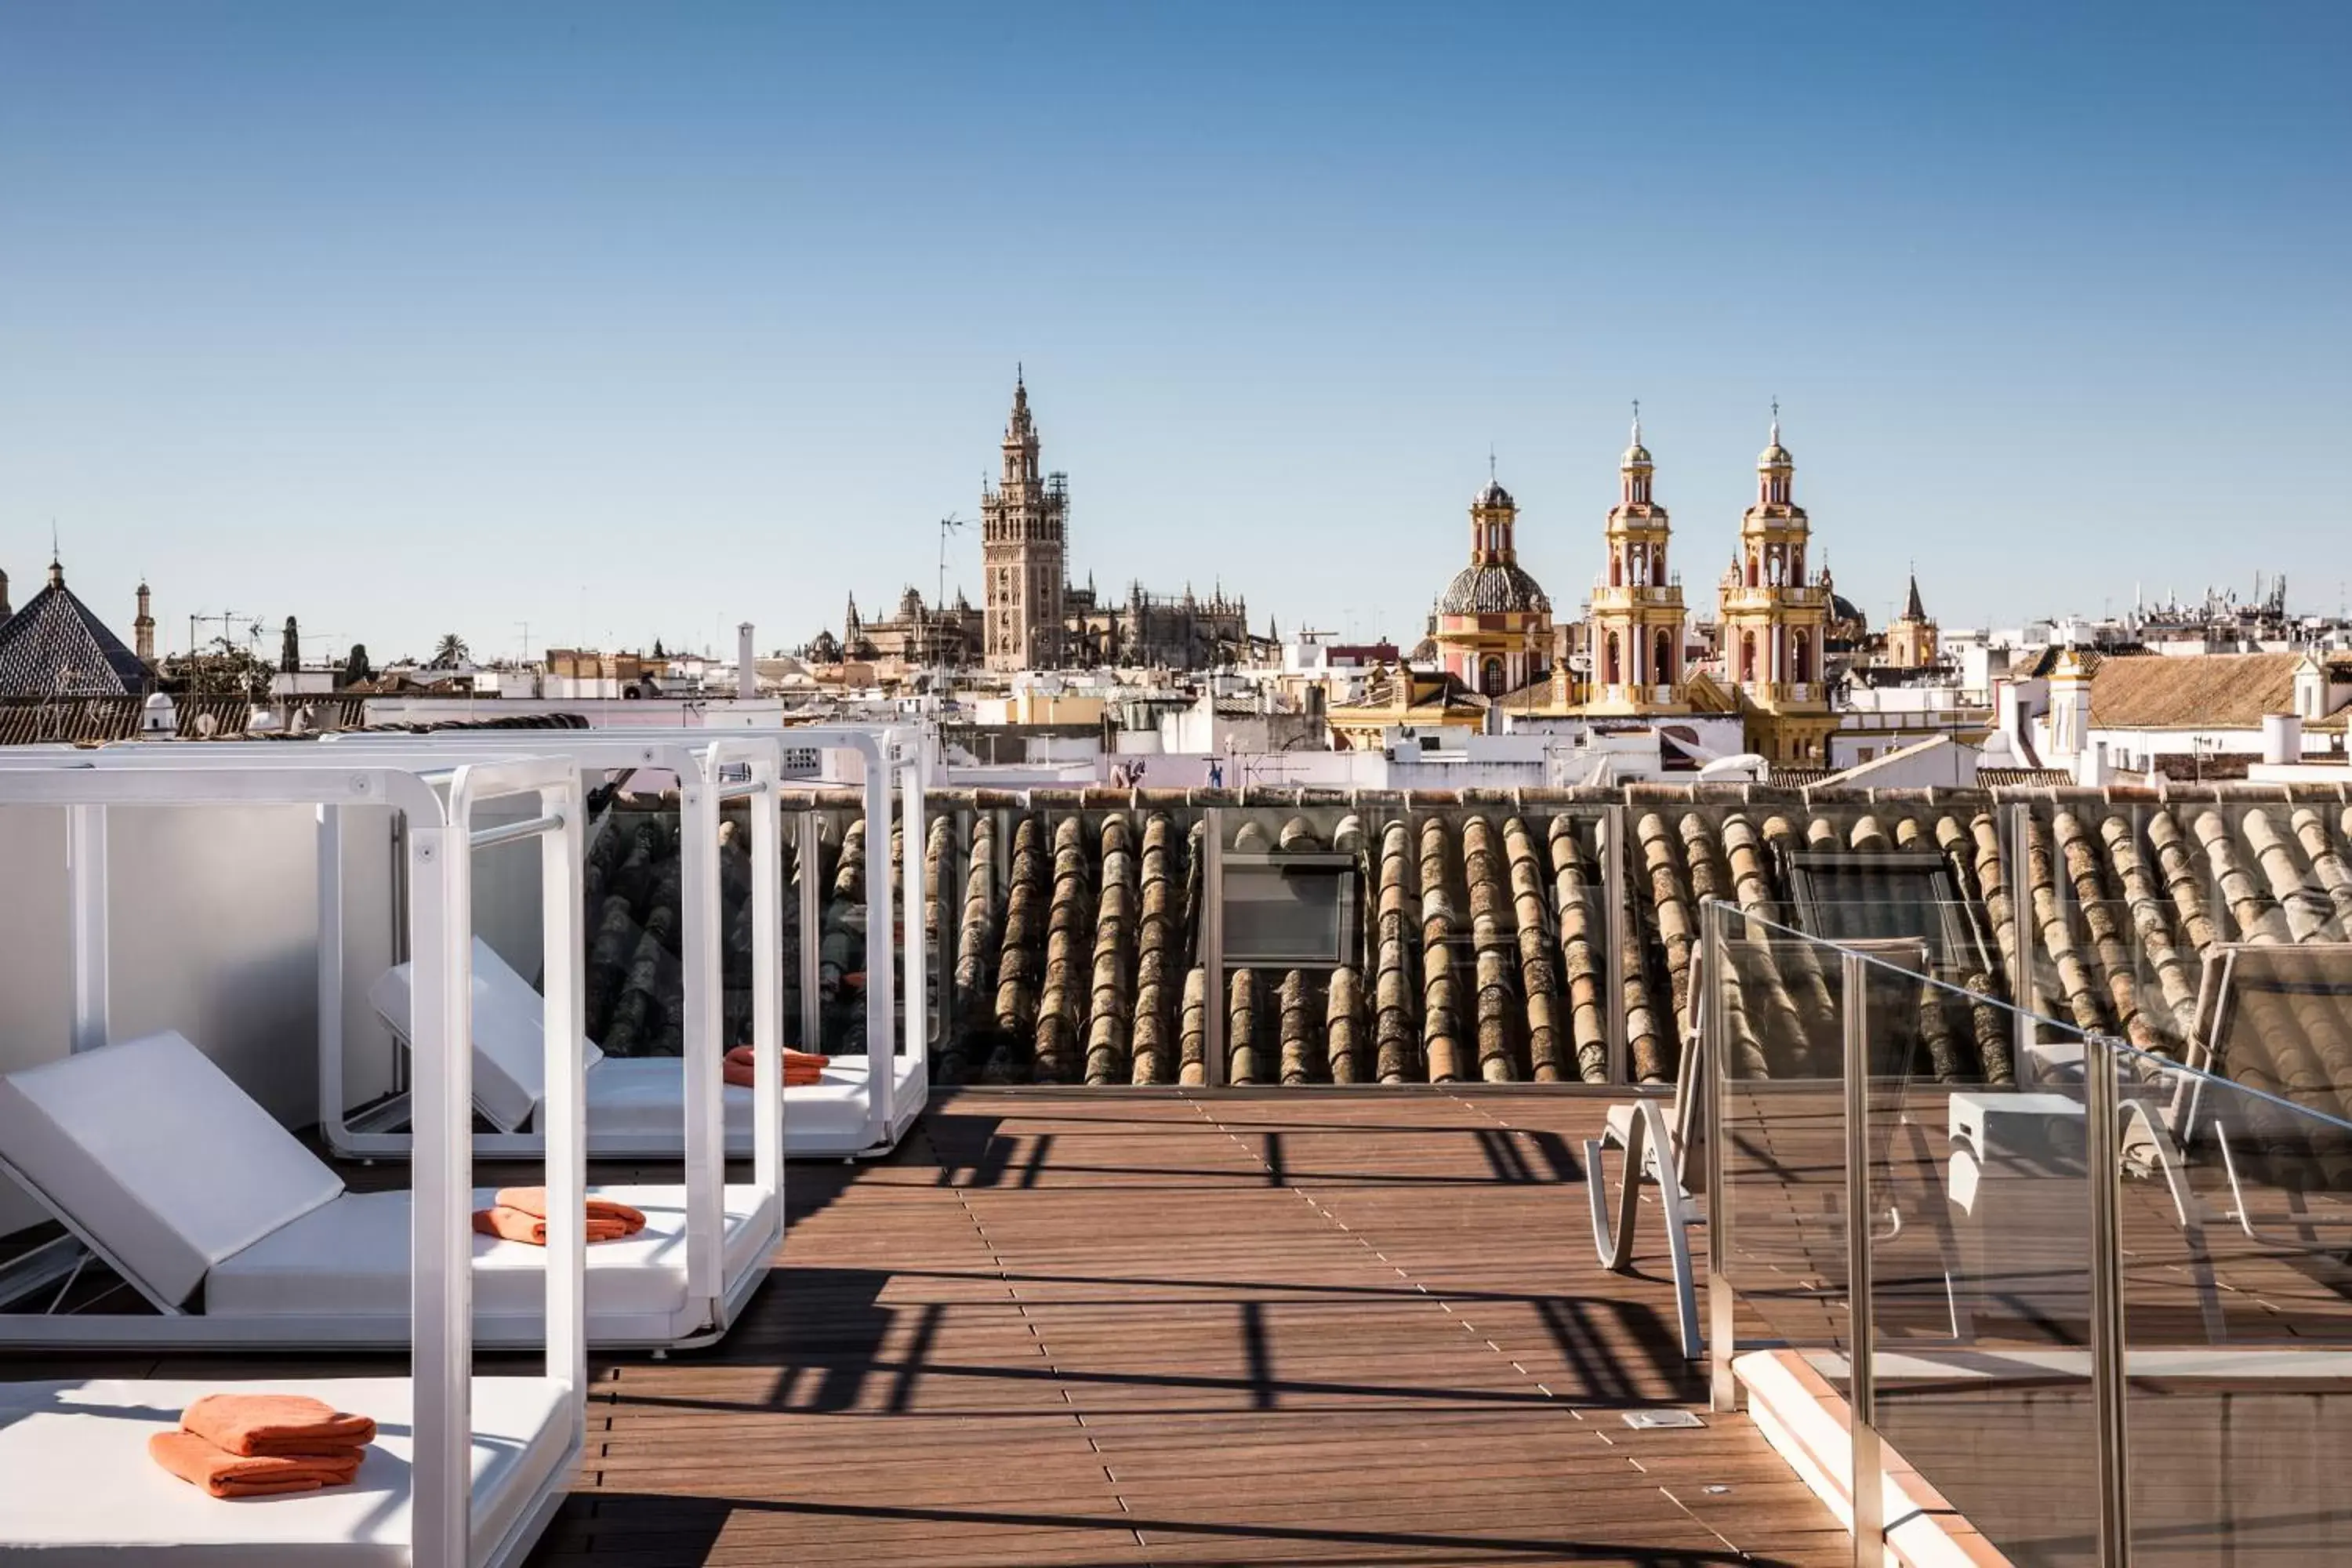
{"x":158,"y":1157}
{"x":509,"y":1029}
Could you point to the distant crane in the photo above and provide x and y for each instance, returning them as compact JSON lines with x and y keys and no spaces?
{"x":948,"y":525}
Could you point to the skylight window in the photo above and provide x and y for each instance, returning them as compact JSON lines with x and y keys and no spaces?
{"x":1860,"y":895}
{"x":1293,"y":910}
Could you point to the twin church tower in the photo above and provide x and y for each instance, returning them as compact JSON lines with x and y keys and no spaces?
{"x":1492,"y":629}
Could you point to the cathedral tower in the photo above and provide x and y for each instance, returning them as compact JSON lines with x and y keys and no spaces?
{"x":1775,"y":617}
{"x":142,"y":630}
{"x":1637,"y":606}
{"x":1025,"y":551}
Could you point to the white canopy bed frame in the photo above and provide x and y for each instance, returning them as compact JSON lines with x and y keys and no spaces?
{"x":268,"y":1247}
{"x":465,"y":1469}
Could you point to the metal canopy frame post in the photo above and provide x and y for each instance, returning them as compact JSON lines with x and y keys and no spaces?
{"x":86,"y":882}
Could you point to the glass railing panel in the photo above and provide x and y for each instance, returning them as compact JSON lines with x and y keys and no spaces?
{"x":1773,"y":1039}
{"x":2236,"y":1224}
{"x":1979,"y":1302}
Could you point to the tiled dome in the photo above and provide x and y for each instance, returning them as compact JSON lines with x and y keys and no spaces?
{"x":1496,"y":588}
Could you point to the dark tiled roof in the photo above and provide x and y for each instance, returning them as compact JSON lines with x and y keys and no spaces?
{"x":70,"y":720}
{"x":55,"y":648}
{"x":499,"y":721}
{"x":1497,"y":588}
{"x":2010,"y":778}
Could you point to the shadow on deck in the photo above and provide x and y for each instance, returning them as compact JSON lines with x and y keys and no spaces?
{"x":1106,"y":1329}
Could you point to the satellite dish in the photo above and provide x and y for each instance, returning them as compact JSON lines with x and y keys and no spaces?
{"x":1581,"y":662}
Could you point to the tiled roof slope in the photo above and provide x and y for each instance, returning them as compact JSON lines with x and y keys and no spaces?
{"x":55,"y":648}
{"x":2150,"y":691}
{"x":1066,"y":927}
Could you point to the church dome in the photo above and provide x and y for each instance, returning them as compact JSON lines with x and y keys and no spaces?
{"x":1493,"y":496}
{"x":1493,"y":588}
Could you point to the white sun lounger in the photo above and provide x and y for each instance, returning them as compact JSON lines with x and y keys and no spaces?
{"x":234,"y":1232}
{"x":466,"y":1470}
{"x":57,"y":1438}
{"x":636,"y":1104}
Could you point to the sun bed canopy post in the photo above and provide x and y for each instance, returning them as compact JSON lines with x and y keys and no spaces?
{"x":808,"y":845}
{"x":880,"y":1071}
{"x":912,"y":829}
{"x":768,"y":987}
{"x":440,"y":883}
{"x":704,"y":1108}
{"x":87,"y":929}
{"x":565,"y":1116}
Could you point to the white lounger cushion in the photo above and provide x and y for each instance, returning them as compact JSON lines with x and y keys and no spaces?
{"x":641,"y":1099}
{"x":156,"y":1155}
{"x":510,"y":1035}
{"x":77,"y":1486}
{"x":351,"y":1258}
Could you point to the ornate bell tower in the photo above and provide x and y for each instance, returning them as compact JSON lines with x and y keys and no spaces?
{"x":1775,"y":618}
{"x":1025,"y":551}
{"x":1637,"y":604}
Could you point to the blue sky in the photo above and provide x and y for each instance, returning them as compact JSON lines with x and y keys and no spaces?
{"x":632,"y":321}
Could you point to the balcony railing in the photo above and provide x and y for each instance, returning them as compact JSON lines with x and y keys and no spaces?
{"x":2119,"y":1268}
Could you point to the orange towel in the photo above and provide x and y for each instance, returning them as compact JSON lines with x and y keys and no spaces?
{"x":803,"y":1069}
{"x":275,"y":1423}
{"x":226,"y":1475}
{"x":804,"y":1061}
{"x":532,"y":1201}
{"x":513,"y":1225}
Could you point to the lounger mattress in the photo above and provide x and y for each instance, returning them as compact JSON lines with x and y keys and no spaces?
{"x":77,"y":1486}
{"x":350,"y":1257}
{"x":642,"y":1100}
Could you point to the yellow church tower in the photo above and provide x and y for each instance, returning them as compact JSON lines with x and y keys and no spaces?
{"x":1637,"y":606}
{"x":1774,"y":615}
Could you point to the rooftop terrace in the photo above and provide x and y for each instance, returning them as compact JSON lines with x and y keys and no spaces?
{"x":1089,"y":1329}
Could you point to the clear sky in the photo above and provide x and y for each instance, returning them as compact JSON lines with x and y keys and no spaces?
{"x":632,"y":321}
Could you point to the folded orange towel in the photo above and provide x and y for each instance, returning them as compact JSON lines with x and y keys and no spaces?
{"x":808,"y":1061}
{"x":532,"y":1201}
{"x":513,"y":1225}
{"x":226,"y":1475}
{"x":739,"y":1075}
{"x":803,"y":1069}
{"x":266,"y":1424}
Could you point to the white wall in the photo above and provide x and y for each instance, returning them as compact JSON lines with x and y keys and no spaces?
{"x":213,"y":931}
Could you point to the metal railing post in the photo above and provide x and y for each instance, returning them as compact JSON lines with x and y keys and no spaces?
{"x":1723,"y":1388}
{"x":1212,"y":947}
{"x":1862,"y":1391}
{"x":2027,"y":930}
{"x":2109,"y":1390}
{"x":1615,"y":929}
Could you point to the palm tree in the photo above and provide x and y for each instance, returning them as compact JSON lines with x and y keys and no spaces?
{"x":451,"y":652}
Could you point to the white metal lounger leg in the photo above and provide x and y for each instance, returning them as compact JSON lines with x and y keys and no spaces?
{"x":1647,"y":1141}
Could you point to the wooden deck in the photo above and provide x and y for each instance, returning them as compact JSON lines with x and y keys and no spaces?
{"x":1108,"y":1329}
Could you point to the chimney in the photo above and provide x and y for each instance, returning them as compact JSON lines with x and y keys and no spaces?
{"x":2281,"y":737}
{"x":747,"y":666}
